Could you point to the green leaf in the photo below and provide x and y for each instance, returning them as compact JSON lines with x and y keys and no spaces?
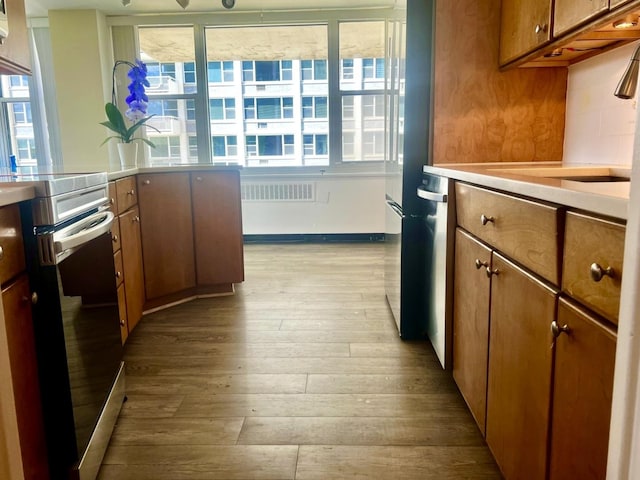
{"x":116,"y":119}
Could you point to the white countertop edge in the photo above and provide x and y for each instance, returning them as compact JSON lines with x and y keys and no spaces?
{"x":593,"y":202}
{"x":115,"y":175}
{"x":15,"y":194}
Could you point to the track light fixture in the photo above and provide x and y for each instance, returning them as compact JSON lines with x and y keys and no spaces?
{"x":229,"y":4}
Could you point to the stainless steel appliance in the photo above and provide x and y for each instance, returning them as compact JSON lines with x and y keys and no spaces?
{"x":438,"y":221}
{"x":409,"y":131}
{"x":76,"y":320}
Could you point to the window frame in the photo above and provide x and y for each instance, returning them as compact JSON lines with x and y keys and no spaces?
{"x":332,"y":20}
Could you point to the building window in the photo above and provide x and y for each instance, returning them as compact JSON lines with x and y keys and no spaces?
{"x":26,"y":150}
{"x":166,"y":147}
{"x":314,"y":107}
{"x":316,"y":145}
{"x":163,"y":108}
{"x":270,"y":145}
{"x":220,"y":72}
{"x":193,"y":146}
{"x":373,"y":68}
{"x":224,"y":146}
{"x":314,"y":69}
{"x":22,"y":112}
{"x":267,"y":70}
{"x":373,"y":106}
{"x":222,"y":108}
{"x":347,"y":69}
{"x":268,"y":108}
{"x":15,"y":106}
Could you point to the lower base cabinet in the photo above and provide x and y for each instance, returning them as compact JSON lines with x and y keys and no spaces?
{"x":582,"y":393}
{"x":520,"y":369}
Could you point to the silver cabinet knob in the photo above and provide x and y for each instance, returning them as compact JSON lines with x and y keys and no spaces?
{"x":136,"y":218}
{"x":541,"y":28}
{"x":131,"y":192}
{"x":199,"y":179}
{"x":118,"y":274}
{"x":484,"y":219}
{"x":34,"y":298}
{"x":557,"y":330}
{"x":114,"y":238}
{"x":147,"y":182}
{"x":1,"y":253}
{"x":597,"y":272}
{"x":122,"y":323}
{"x":492,"y":272}
{"x":479,"y":264}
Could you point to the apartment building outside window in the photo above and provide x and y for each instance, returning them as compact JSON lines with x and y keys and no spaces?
{"x":17,"y":119}
{"x":266,"y":106}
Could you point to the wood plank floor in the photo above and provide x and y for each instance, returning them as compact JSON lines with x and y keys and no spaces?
{"x":300,"y":375}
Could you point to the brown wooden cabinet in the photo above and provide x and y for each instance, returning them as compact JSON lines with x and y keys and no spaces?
{"x":582,"y":392}
{"x":525,"y":26}
{"x":20,"y":348}
{"x":167,"y":233}
{"x":14,"y":51}
{"x":570,"y":14}
{"x":471,"y":323}
{"x":127,"y":249}
{"x":217,"y":226}
{"x":520,"y":368}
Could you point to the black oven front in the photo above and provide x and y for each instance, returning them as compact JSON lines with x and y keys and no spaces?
{"x":76,"y":324}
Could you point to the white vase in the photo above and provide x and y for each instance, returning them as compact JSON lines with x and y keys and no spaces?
{"x":128,"y":154}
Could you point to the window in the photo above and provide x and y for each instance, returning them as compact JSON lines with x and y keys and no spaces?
{"x":22,"y":112}
{"x":314,"y":69}
{"x":224,"y":146}
{"x":316,"y":145}
{"x":220,"y":72}
{"x":26,"y":149}
{"x":16,"y":108}
{"x":283,"y":93}
{"x":166,"y":147}
{"x":314,"y":107}
{"x":222,"y":108}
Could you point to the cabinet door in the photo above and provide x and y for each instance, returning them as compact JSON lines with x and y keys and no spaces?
{"x":167,"y":233}
{"x":568,"y":14}
{"x":582,"y":391}
{"x":14,"y":52}
{"x":520,"y":363}
{"x":24,"y":371}
{"x":471,"y":323}
{"x":217,"y":227}
{"x":524,"y":27}
{"x":131,"y":248}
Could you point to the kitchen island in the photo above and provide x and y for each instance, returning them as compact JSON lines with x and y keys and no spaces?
{"x":538,"y":264}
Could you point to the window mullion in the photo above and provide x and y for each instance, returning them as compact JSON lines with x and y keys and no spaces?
{"x":203,"y":125}
{"x":335,"y":99}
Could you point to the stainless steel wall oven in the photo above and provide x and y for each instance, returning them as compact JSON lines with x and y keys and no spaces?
{"x":76,"y":322}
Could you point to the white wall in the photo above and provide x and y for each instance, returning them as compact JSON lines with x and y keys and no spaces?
{"x":342,"y":204}
{"x":599,"y":127}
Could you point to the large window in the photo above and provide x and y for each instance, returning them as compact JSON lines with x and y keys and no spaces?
{"x":264,"y":105}
{"x":16,"y":109}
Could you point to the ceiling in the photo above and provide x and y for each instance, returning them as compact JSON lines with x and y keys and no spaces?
{"x":39,"y":8}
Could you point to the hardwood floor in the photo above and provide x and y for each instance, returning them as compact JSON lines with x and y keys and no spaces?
{"x":300,"y":375}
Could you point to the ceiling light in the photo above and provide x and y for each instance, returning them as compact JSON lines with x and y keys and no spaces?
{"x":228,"y":3}
{"x":629,"y":21}
{"x":126,"y":3}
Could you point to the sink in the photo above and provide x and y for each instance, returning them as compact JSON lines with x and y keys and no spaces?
{"x":589,"y":174}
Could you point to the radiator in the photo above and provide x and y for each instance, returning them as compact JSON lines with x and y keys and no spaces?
{"x":279,"y":192}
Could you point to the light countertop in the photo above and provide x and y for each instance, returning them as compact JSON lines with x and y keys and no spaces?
{"x":184,"y":167}
{"x":15,"y":193}
{"x":540,"y":181}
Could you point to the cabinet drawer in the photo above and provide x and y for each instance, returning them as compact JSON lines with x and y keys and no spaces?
{"x":12,"y":259}
{"x":122,"y":311}
{"x":526,"y":231}
{"x":113,"y":198}
{"x":115,"y":234}
{"x":592,"y":267}
{"x":126,"y":193}
{"x":117,"y":260}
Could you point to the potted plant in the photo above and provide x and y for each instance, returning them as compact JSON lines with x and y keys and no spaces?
{"x":136,"y":114}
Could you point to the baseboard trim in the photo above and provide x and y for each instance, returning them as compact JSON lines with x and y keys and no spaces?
{"x":315,"y":238}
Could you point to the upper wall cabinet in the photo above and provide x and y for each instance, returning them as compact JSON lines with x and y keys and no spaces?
{"x":571,"y":13}
{"x":14,"y":51}
{"x":525,"y":27}
{"x":581,"y":29}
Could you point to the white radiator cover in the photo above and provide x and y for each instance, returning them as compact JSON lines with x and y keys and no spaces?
{"x":312,"y":204}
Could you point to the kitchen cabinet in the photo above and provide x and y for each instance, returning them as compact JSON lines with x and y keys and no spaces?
{"x":524,"y":27}
{"x":570,"y":14}
{"x":471,"y":322}
{"x":14,"y":51}
{"x":127,"y":249}
{"x":549,"y":374}
{"x":18,"y":331}
{"x":582,"y":392}
{"x":217,"y":226}
{"x":520,"y":370}
{"x":167,"y":233}
{"x":191,"y":234}
{"x":592,"y":267}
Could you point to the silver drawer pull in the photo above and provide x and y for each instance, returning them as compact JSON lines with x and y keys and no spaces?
{"x":484,"y":219}
{"x":541,"y":28}
{"x":492,"y":272}
{"x":597,"y":272}
{"x":147,"y":182}
{"x":131,"y":192}
{"x":479,"y":264}
{"x":1,"y":253}
{"x":557,"y":330}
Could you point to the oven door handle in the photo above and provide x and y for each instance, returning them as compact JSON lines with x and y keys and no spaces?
{"x":82,"y":232}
